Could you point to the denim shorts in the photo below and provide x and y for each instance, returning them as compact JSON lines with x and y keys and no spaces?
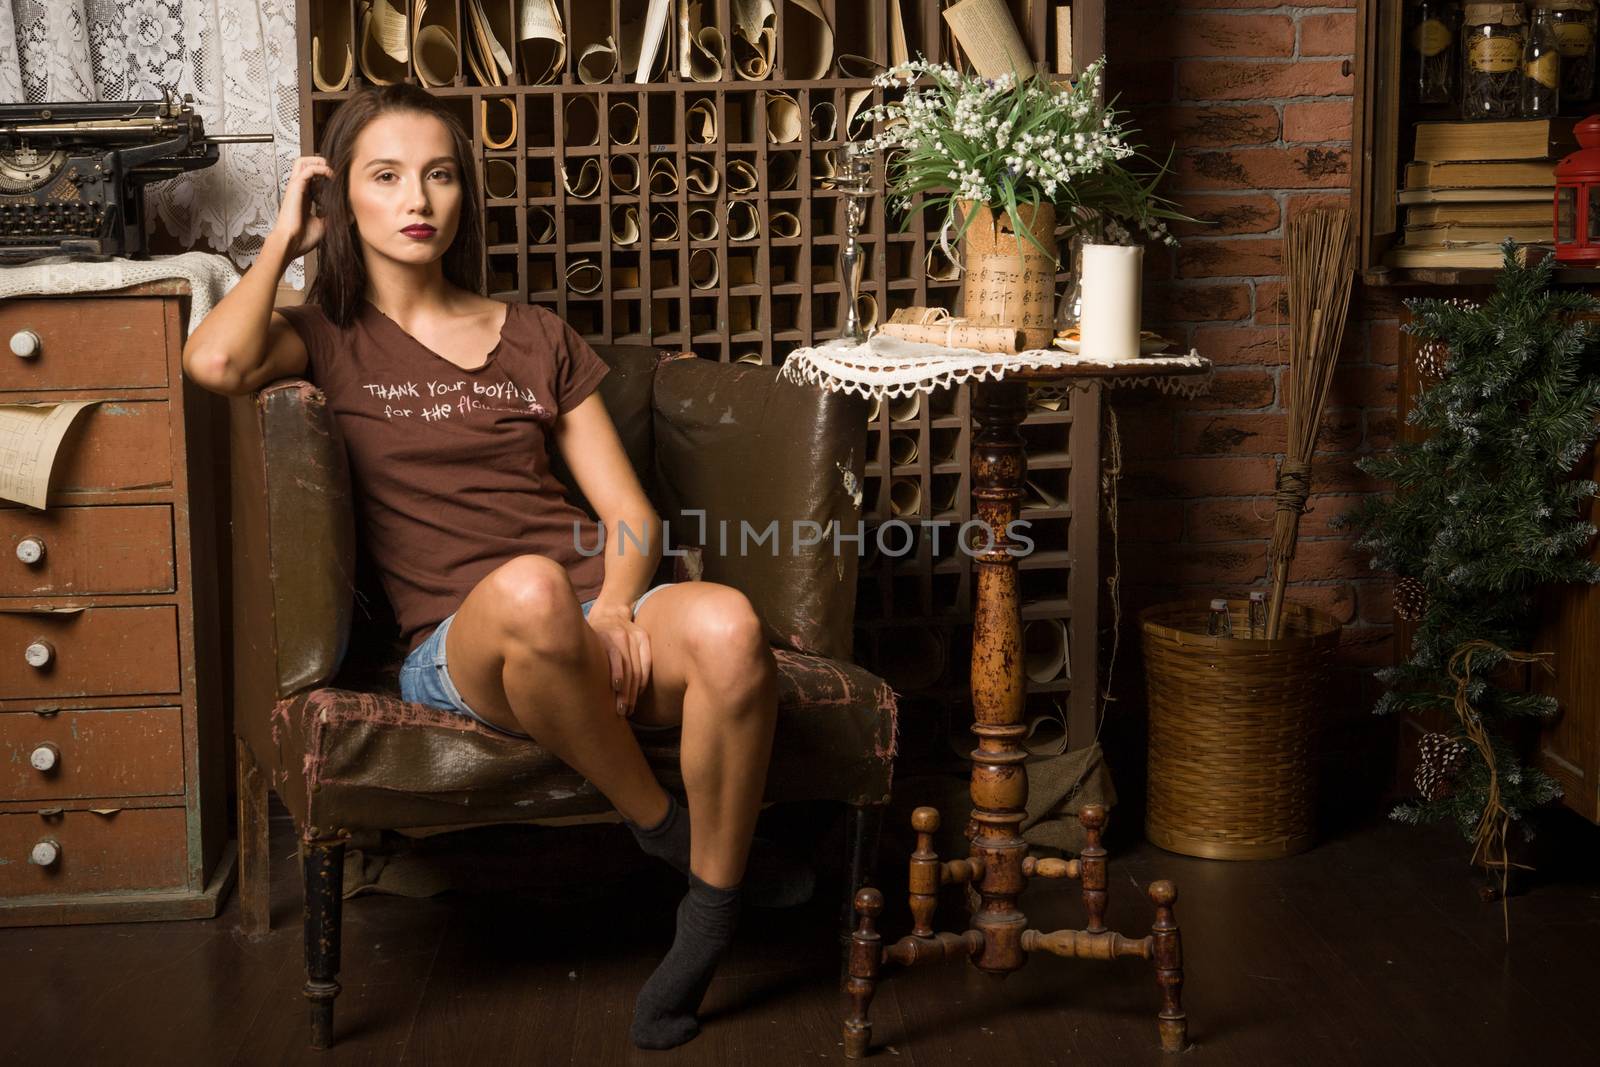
{"x":425,"y":677}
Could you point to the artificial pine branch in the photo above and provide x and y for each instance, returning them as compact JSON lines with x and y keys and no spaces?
{"x":1486,"y":512}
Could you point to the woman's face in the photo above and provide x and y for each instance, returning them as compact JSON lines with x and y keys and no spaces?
{"x":405,"y":187}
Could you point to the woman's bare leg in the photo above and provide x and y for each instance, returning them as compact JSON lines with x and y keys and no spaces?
{"x":713,"y":671}
{"x":522,"y":656}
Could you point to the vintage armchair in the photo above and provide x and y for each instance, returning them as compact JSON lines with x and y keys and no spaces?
{"x":317,"y":713}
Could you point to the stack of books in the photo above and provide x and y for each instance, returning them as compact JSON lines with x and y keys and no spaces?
{"x":1474,"y":184}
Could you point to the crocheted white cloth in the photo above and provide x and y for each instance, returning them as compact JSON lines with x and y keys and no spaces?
{"x":891,"y":367}
{"x":210,"y":276}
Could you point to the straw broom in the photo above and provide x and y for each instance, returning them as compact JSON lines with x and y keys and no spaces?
{"x":1317,"y":263}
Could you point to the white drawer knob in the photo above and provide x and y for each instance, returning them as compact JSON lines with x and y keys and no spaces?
{"x":45,"y":757}
{"x":25,"y":344}
{"x":30,"y":550}
{"x":45,"y":853}
{"x":39,"y":654}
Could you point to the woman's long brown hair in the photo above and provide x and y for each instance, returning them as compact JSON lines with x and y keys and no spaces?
{"x":341,"y":281}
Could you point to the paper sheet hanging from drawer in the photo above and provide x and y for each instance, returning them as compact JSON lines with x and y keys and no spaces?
{"x":30,"y":435}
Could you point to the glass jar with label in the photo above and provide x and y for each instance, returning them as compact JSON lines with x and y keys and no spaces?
{"x":1432,"y":51}
{"x":1491,"y":61}
{"x":1574,"y":25}
{"x":1541,"y":67}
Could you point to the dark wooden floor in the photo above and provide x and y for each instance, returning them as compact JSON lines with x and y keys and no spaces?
{"x":1370,"y":949}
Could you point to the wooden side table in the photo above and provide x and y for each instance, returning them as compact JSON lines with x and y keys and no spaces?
{"x":998,"y":868}
{"x":113,"y":802}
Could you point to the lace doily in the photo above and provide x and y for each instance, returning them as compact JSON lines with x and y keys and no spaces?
{"x":888,"y":367}
{"x":209,"y":277}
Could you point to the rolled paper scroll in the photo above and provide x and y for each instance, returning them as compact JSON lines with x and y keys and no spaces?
{"x":784,"y":224}
{"x":905,"y":408}
{"x":936,"y":326}
{"x":491,"y":25}
{"x":703,"y":177}
{"x":500,"y":179}
{"x":748,"y":357}
{"x":744,"y":221}
{"x":625,"y":174}
{"x":855,"y":126}
{"x":584,"y":276}
{"x":497,"y":119}
{"x":808,"y":43}
{"x":1036,"y":497}
{"x":705,"y":270}
{"x":755,"y":35}
{"x":625,"y":224}
{"x":905,"y":497}
{"x":654,"y":50}
{"x":664,"y":223}
{"x":742,"y":177}
{"x":541,"y":226}
{"x":874,"y":408}
{"x":989,"y":36}
{"x":899,"y":47}
{"x":939,"y":266}
{"x":541,"y":41}
{"x":783,"y":171}
{"x":586,"y":182}
{"x":867,"y":311}
{"x":700,"y":122}
{"x":663,"y":176}
{"x":384,"y":48}
{"x":623,"y":119}
{"x":702,"y":224}
{"x":824,"y":164}
{"x":1044,"y":649}
{"x":708,"y":50}
{"x":581,"y":117}
{"x":433,"y":46}
{"x":945,"y":491}
{"x":333,"y":59}
{"x":824,"y":120}
{"x":902,"y":448}
{"x":784,"y":124}
{"x":598,"y":61}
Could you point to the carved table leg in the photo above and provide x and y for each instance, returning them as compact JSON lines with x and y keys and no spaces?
{"x":324,"y":883}
{"x":999,"y":783}
{"x":1168,"y":951}
{"x":1092,"y":863}
{"x":866,"y":952}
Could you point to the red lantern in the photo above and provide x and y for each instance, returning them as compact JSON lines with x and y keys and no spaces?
{"x":1578,"y":198}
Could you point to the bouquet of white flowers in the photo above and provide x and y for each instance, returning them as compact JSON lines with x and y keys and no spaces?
{"x":1010,"y":141}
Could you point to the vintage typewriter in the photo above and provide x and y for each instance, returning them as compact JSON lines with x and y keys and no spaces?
{"x":72,"y":175}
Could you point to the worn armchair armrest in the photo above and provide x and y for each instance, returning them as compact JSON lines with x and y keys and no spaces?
{"x":747,"y":446}
{"x":293,"y":547}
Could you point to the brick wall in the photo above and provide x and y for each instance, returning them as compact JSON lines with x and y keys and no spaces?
{"x":1256,"y":101}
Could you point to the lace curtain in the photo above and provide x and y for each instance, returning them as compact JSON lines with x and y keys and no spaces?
{"x":235,"y":57}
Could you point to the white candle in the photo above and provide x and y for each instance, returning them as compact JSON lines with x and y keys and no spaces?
{"x":1109,"y":325}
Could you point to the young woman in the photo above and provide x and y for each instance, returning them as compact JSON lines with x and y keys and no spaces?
{"x":449,"y":404}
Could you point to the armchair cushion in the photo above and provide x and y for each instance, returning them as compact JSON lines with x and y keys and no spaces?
{"x":347,"y":760}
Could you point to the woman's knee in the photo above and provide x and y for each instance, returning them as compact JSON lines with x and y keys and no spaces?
{"x":534,"y":606}
{"x":727,"y":642}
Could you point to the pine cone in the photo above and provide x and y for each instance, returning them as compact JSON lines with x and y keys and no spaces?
{"x":1441,"y":758}
{"x":1433,"y":359}
{"x":1410,"y":599}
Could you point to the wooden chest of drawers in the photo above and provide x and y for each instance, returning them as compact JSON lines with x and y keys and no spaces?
{"x":113,"y":739}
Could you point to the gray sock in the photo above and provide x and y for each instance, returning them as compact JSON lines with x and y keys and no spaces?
{"x":664,"y":1015}
{"x":668,"y":839}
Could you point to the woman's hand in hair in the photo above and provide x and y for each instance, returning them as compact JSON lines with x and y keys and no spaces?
{"x":628,"y":652}
{"x":299,"y":227}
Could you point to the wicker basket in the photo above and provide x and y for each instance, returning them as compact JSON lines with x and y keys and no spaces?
{"x":1232,"y":729}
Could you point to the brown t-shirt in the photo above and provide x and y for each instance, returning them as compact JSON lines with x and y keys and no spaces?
{"x":451,"y":467}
